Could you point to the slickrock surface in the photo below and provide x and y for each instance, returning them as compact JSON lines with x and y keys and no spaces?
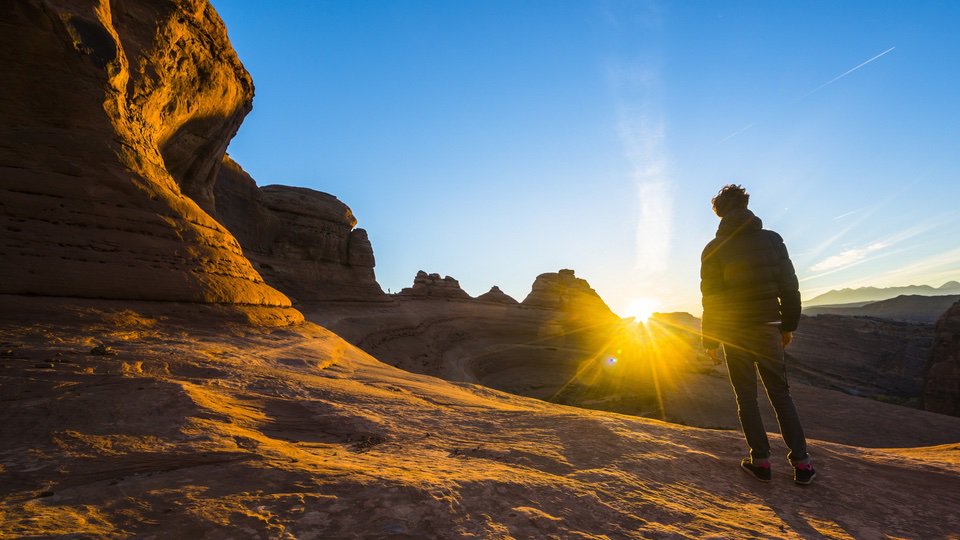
{"x":497,"y":296}
{"x":433,"y":285}
{"x":658,"y":370}
{"x":941,"y":392}
{"x":303,"y":242}
{"x":204,"y":425}
{"x":113,"y":120}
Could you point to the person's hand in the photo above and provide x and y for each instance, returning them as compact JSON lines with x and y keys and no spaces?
{"x":787,"y":338}
{"x":714,"y":355}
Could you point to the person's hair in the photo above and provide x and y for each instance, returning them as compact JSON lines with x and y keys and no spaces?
{"x":730,"y":197}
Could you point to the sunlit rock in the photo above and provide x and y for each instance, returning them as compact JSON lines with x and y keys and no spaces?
{"x":114,"y":118}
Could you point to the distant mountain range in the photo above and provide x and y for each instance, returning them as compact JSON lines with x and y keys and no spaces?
{"x":864,"y":295}
{"x":908,"y":308}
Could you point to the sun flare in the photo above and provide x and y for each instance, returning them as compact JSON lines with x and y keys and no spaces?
{"x":641,"y":309}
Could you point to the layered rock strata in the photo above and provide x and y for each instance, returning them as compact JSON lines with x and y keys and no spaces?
{"x":425,"y":284}
{"x":303,"y":242}
{"x":941,"y":389}
{"x":113,"y":120}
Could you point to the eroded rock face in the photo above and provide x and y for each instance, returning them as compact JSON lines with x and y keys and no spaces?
{"x":497,"y":296}
{"x":941,"y":389}
{"x":113,"y":120}
{"x":425,"y":284}
{"x":862,"y":356}
{"x":302,"y":241}
{"x":565,"y":292}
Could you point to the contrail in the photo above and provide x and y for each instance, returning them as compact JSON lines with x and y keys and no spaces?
{"x":845,"y":73}
{"x":737,"y":132}
{"x":808,"y":94}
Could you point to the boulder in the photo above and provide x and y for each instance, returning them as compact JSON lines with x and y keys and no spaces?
{"x":495,"y":295}
{"x":114,"y":119}
{"x":941,"y":388}
{"x":304,"y":242}
{"x":433,"y":285}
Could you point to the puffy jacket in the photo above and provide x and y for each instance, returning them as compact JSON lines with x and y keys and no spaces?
{"x":746,"y":278}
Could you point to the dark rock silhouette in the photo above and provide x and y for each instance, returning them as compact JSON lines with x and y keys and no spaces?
{"x":908,"y":308}
{"x":433,"y":285}
{"x":497,"y":296}
{"x":941,"y":389}
{"x":564,"y":291}
{"x":864,"y":295}
{"x":304,"y":242}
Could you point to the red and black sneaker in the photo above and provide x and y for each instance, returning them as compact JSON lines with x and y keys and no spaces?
{"x":761,"y":472}
{"x":803,"y":473}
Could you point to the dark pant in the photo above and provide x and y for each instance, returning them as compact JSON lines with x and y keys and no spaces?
{"x":760,"y":349}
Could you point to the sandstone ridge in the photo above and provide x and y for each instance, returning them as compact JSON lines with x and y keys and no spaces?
{"x":941,"y":391}
{"x":304,"y":242}
{"x":113,"y":122}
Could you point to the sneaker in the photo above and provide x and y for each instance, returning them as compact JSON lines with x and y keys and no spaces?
{"x":760,"y":472}
{"x":804,"y":474}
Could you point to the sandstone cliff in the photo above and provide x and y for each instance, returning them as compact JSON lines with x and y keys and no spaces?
{"x":113,"y":120}
{"x":433,"y":285}
{"x":941,"y":389}
{"x":302,"y":241}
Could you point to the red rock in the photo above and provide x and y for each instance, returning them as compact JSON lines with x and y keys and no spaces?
{"x":433,"y":285}
{"x":113,"y":122}
{"x":304,"y":242}
{"x":941,"y":389}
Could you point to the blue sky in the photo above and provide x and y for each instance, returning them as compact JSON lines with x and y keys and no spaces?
{"x":493,"y":141}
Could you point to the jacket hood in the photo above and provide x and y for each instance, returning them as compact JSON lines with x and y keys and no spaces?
{"x":739,"y":221}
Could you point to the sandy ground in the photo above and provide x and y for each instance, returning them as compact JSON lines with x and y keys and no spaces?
{"x":211,"y":423}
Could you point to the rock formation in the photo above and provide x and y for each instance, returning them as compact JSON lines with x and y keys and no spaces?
{"x":114,"y":118}
{"x":862,"y":356}
{"x":565,"y":292}
{"x":302,"y":241}
{"x":433,"y":285}
{"x":941,"y":389}
{"x":497,"y":296}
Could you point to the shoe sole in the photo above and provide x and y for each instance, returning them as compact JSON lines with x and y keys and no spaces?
{"x":748,"y":471}
{"x":808,"y":482}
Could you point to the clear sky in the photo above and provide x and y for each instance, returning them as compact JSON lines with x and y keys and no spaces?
{"x":496,"y":140}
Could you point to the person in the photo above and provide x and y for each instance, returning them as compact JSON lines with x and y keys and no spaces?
{"x":751,"y":307}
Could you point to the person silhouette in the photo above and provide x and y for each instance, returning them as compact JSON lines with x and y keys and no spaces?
{"x":751,"y":307}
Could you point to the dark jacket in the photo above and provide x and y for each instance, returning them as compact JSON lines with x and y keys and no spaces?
{"x":746,"y":278}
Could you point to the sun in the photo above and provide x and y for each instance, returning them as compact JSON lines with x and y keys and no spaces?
{"x":641,"y":309}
